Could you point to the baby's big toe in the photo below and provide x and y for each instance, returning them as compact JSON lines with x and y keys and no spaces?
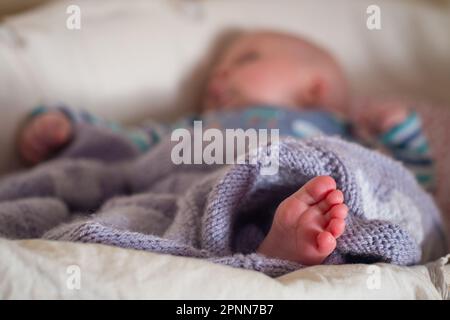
{"x":315,"y":190}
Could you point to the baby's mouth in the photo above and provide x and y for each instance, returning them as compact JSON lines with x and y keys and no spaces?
{"x":219,"y":97}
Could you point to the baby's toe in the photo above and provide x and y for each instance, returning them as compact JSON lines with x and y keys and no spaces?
{"x":339,"y":211}
{"x":293,"y":207}
{"x":326,"y":242}
{"x":333,"y":198}
{"x":336,"y":227}
{"x":315,"y":190}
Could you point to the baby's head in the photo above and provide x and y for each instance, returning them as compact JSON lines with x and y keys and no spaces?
{"x":276,"y":69}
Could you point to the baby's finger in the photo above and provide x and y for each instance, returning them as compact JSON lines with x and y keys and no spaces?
{"x":43,"y":132}
{"x":37,"y":140}
{"x":56,"y":130}
{"x":29,"y":152}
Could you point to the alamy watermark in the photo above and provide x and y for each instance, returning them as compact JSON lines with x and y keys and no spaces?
{"x":73,"y":280}
{"x":374,"y":279}
{"x":73,"y":21}
{"x":374,"y":19}
{"x":229,"y":146}
{"x":373,"y":22}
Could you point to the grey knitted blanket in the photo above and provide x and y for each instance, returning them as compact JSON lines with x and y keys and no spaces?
{"x":219,"y":213}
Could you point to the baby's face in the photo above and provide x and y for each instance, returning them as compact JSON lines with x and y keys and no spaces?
{"x":272,"y":68}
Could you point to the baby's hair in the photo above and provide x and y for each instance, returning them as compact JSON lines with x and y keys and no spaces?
{"x":315,"y":53}
{"x":298,"y":39}
{"x":194,"y":83}
{"x":222,"y":41}
{"x":306,"y":48}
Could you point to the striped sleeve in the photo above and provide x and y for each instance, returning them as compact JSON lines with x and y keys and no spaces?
{"x":407,"y":143}
{"x":143,"y":138}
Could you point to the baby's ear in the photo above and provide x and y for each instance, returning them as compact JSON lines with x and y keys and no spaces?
{"x":313,"y":93}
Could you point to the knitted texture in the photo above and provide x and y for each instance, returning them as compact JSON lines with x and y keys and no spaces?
{"x":222,"y":213}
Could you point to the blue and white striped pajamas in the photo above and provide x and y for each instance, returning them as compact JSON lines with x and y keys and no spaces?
{"x":405,"y":142}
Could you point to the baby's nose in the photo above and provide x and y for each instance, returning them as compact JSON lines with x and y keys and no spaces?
{"x":218,"y":80}
{"x":221,"y":73}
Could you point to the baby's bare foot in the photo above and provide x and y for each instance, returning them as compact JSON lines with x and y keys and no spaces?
{"x":307,"y":223}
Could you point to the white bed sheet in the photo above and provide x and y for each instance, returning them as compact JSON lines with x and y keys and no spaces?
{"x":39,"y":269}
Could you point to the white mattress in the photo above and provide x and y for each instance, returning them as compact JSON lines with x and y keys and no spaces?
{"x":49,"y":270}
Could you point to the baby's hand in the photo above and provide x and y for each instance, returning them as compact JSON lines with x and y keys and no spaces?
{"x":389,"y":114}
{"x":44,"y":135}
{"x":380,"y":116}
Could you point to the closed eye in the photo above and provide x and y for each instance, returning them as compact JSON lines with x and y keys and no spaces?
{"x":247,"y":57}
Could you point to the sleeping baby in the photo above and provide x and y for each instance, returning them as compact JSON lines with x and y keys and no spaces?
{"x":274,"y":81}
